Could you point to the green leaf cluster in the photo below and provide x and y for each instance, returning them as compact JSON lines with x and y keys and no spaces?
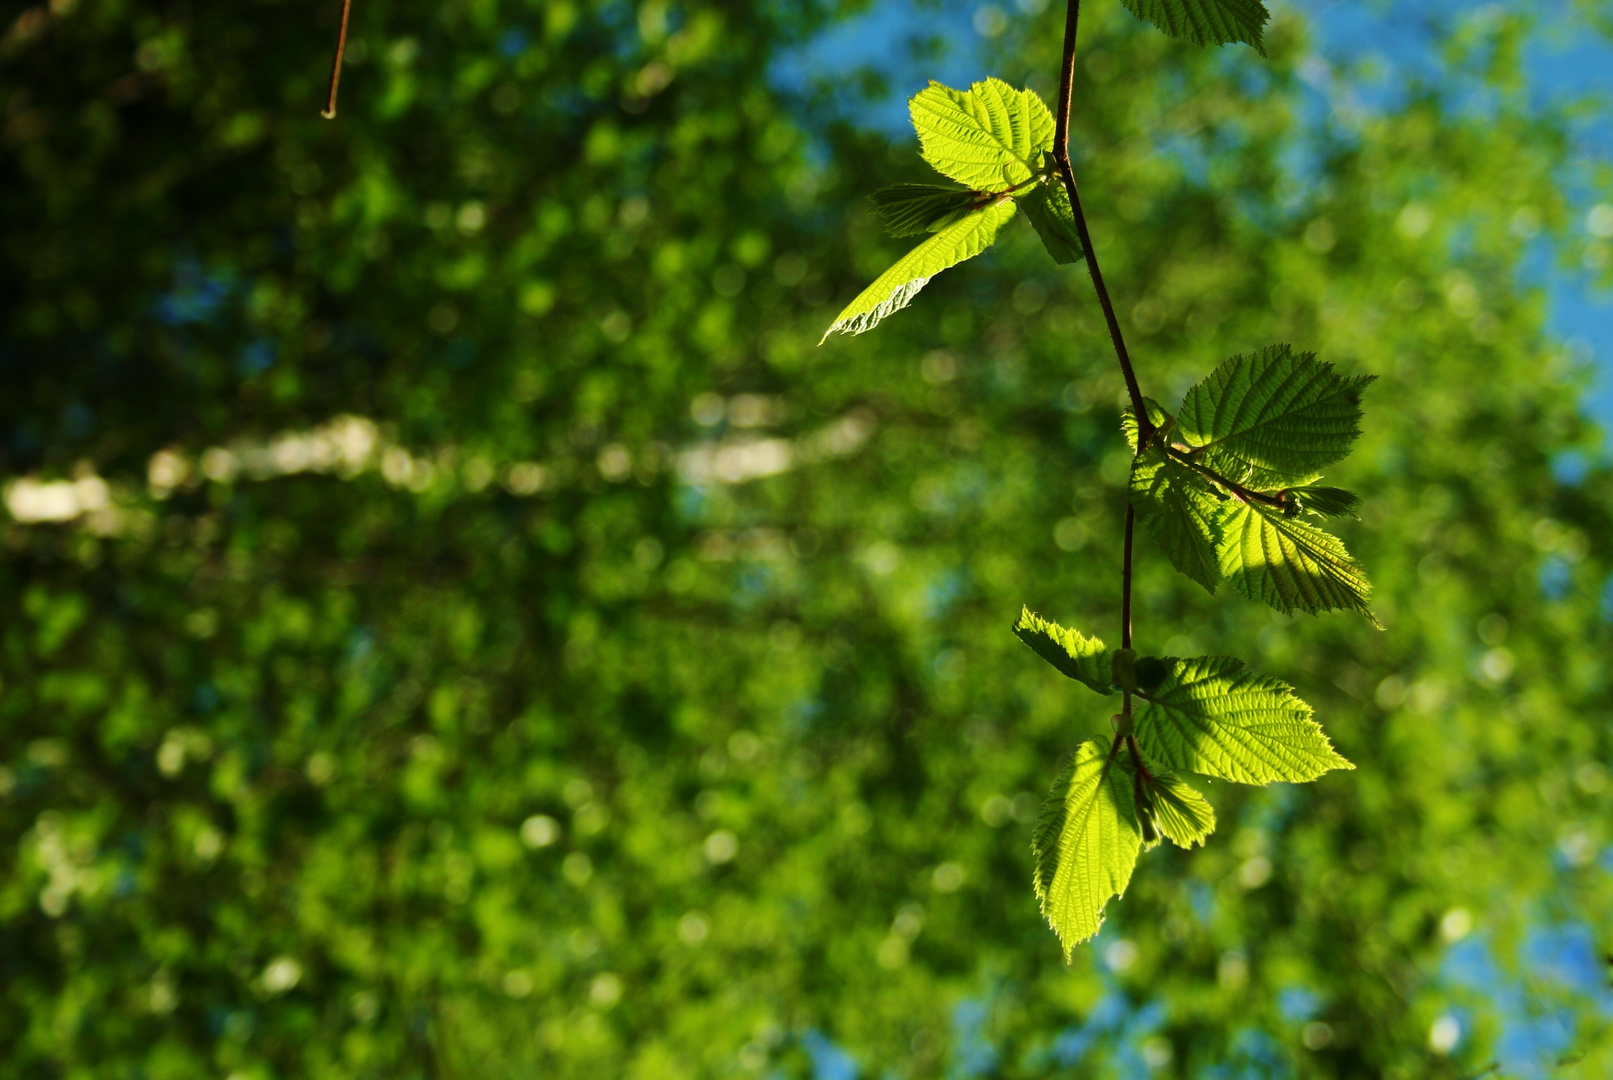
{"x":995,"y":141}
{"x":1227,"y":485}
{"x":457,"y":747}
{"x":1207,"y":715}
{"x":1224,"y":486}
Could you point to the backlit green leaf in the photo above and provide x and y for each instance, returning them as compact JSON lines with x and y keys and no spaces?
{"x":990,"y":137}
{"x":1082,"y":658}
{"x":1183,"y":816}
{"x":1282,"y":412}
{"x":1085,"y":844}
{"x":1181,"y":511}
{"x":892,"y":290}
{"x":1206,"y":22}
{"x":1211,"y":715}
{"x":1290,"y":563}
{"x":1128,"y":423}
{"x":1047,"y":207}
{"x":913,"y":209}
{"x":1326,"y":501}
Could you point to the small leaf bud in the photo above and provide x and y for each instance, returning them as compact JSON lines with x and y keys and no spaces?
{"x":1123,"y":666}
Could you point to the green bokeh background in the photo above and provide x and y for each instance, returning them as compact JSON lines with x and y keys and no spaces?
{"x":498,"y":641}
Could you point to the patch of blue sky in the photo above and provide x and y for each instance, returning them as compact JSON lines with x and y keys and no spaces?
{"x":902,"y":44}
{"x":1530,"y":1046}
{"x":1113,"y":1039}
{"x":1297,"y":1004}
{"x":829,"y":1061}
{"x":197,"y":295}
{"x":1391,"y":50}
{"x":972,"y":1052}
{"x":1254,"y":1055}
{"x":1556,"y":577}
{"x":1115,"y":1030}
{"x":1567,"y":955}
{"x":621,"y":18}
{"x":1566,"y":62}
{"x":1569,"y":468}
{"x":1190,"y":154}
{"x":1560,"y":975}
{"x":1468,"y":963}
{"x":513,"y":42}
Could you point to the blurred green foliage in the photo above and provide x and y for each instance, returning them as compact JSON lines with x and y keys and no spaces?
{"x":624,"y":687}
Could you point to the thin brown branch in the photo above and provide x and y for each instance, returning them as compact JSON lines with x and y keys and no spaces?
{"x":1114,"y":748}
{"x":336,"y":63}
{"x":1061,"y":157}
{"x":1137,"y":759}
{"x":1125,"y":589}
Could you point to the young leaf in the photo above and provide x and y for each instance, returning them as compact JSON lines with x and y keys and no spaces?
{"x":913,"y":209}
{"x":1182,"y":512}
{"x":1081,"y":658}
{"x":1047,"y":208}
{"x":1206,"y":22}
{"x":1085,"y":844}
{"x":1156,"y":415}
{"x":1290,"y":563}
{"x":990,"y":137}
{"x":1183,"y":815}
{"x":891,"y":291}
{"x":1326,"y":501}
{"x":1211,"y":715}
{"x":1280,"y":411}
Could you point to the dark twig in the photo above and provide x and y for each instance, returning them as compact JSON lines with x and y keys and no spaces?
{"x":336,"y":64}
{"x":1125,"y":588}
{"x":1137,"y":760}
{"x":1145,"y":426}
{"x":1061,"y":157}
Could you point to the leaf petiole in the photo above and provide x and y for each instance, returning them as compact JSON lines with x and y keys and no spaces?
{"x":1232,"y":486}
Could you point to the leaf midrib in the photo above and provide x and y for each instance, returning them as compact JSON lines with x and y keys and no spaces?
{"x":969,"y":118}
{"x":1214,"y":443}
